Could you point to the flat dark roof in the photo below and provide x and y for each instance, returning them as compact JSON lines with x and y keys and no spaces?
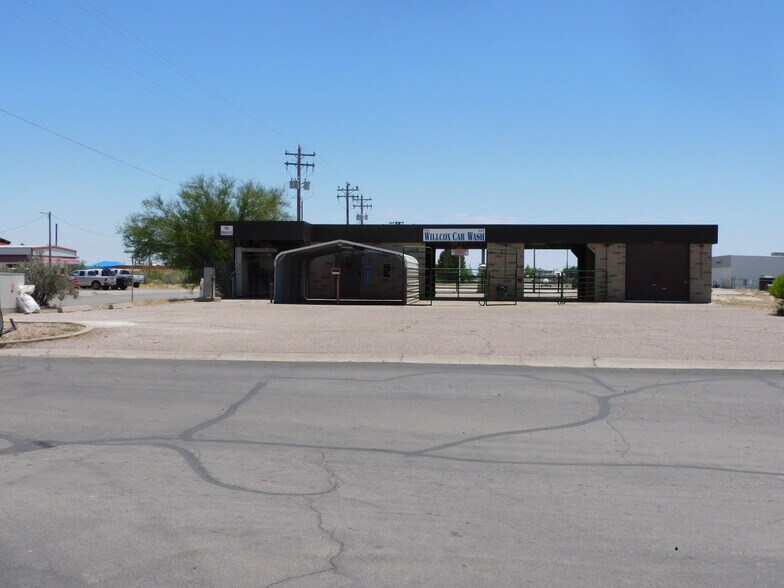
{"x":291,"y":232}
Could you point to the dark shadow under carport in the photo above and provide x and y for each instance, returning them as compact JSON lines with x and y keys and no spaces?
{"x":291,"y":269}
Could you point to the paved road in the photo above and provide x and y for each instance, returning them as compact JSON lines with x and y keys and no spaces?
{"x":94,"y":297}
{"x":140,"y":473}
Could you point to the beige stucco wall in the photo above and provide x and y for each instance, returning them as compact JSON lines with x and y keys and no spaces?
{"x":611,"y":259}
{"x":700,"y":272}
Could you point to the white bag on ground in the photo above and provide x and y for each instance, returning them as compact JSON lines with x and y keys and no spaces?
{"x":25,"y":302}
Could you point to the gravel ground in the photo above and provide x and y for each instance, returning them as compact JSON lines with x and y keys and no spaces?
{"x":447,"y":331}
{"x":37,"y":330}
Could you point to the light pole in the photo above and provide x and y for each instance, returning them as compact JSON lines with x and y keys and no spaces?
{"x":49,"y":214}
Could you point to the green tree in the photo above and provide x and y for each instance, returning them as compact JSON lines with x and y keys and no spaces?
{"x":48,"y":280}
{"x":530,"y":272}
{"x":452,"y":266}
{"x":180,"y":231}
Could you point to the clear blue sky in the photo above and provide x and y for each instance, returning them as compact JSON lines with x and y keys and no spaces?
{"x":441,"y":112}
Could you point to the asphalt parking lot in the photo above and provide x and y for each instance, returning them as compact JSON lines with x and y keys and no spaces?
{"x":240,"y":443}
{"x":190,"y":473}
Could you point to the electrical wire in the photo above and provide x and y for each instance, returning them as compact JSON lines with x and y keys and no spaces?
{"x":74,"y":141}
{"x":118,"y":29}
{"x":22,"y":225}
{"x":121,"y":31}
{"x":62,"y":220}
{"x":125,"y":65}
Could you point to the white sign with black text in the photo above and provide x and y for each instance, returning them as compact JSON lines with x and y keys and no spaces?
{"x":454,"y":235}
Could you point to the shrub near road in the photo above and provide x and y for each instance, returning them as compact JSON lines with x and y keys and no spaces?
{"x":48,"y":281}
{"x":776,"y":290}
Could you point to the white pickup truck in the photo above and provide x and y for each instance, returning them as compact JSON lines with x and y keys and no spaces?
{"x":95,"y":278}
{"x":137,"y":278}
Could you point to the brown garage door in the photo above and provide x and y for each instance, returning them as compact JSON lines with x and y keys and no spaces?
{"x":657,"y":271}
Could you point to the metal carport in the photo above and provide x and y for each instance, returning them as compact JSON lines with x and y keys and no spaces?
{"x":291,"y":269}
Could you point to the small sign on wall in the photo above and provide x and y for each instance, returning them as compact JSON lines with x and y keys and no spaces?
{"x":227,"y":230}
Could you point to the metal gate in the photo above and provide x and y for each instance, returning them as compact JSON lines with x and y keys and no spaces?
{"x":570,"y":285}
{"x":460,"y":284}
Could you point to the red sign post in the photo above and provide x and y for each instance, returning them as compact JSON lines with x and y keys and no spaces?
{"x":335,"y":271}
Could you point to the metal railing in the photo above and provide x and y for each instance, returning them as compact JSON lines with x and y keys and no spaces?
{"x":569,"y":285}
{"x":459,"y":284}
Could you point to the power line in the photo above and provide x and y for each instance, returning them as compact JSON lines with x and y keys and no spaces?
{"x":120,"y":30}
{"x":22,"y":225}
{"x":62,"y":220}
{"x":74,"y":141}
{"x":123,"y":32}
{"x":137,"y":72}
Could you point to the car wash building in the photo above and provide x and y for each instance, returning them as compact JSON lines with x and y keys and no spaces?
{"x":299,"y":262}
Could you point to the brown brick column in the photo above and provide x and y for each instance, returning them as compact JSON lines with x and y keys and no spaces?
{"x":700,"y":272}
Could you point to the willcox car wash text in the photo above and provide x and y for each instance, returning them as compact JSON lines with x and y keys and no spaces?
{"x":460,"y":235}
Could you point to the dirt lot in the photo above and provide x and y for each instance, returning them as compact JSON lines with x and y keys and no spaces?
{"x":740,"y":327}
{"x":745,"y":298}
{"x":37,"y":330}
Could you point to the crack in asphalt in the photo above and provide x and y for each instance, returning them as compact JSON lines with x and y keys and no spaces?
{"x":194,"y":462}
{"x":329,"y":533}
{"x":188,"y":434}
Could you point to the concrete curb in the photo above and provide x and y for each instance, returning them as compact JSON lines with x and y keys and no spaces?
{"x":85,"y":329}
{"x":561,"y":362}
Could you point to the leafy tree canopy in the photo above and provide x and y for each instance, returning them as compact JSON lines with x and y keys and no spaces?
{"x":446,"y":260}
{"x":180,"y":231}
{"x":451,"y":267}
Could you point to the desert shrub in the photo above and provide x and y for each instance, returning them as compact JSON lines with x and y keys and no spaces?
{"x":49,"y":282}
{"x":776,"y":289}
{"x":167,"y":276}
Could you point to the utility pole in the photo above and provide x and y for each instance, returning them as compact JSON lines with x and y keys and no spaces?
{"x":347,"y":193}
{"x":299,"y":165}
{"x":362,"y":206}
{"x":49,"y":214}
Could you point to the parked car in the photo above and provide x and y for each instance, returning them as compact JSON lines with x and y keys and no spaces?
{"x":96,"y":279}
{"x":121,"y":282}
{"x":137,"y":278}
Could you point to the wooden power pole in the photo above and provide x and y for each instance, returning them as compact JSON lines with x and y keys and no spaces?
{"x":299,"y":165}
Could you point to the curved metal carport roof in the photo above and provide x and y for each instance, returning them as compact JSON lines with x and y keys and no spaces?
{"x":291,"y":267}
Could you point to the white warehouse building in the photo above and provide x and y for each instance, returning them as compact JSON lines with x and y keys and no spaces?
{"x":744,"y":271}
